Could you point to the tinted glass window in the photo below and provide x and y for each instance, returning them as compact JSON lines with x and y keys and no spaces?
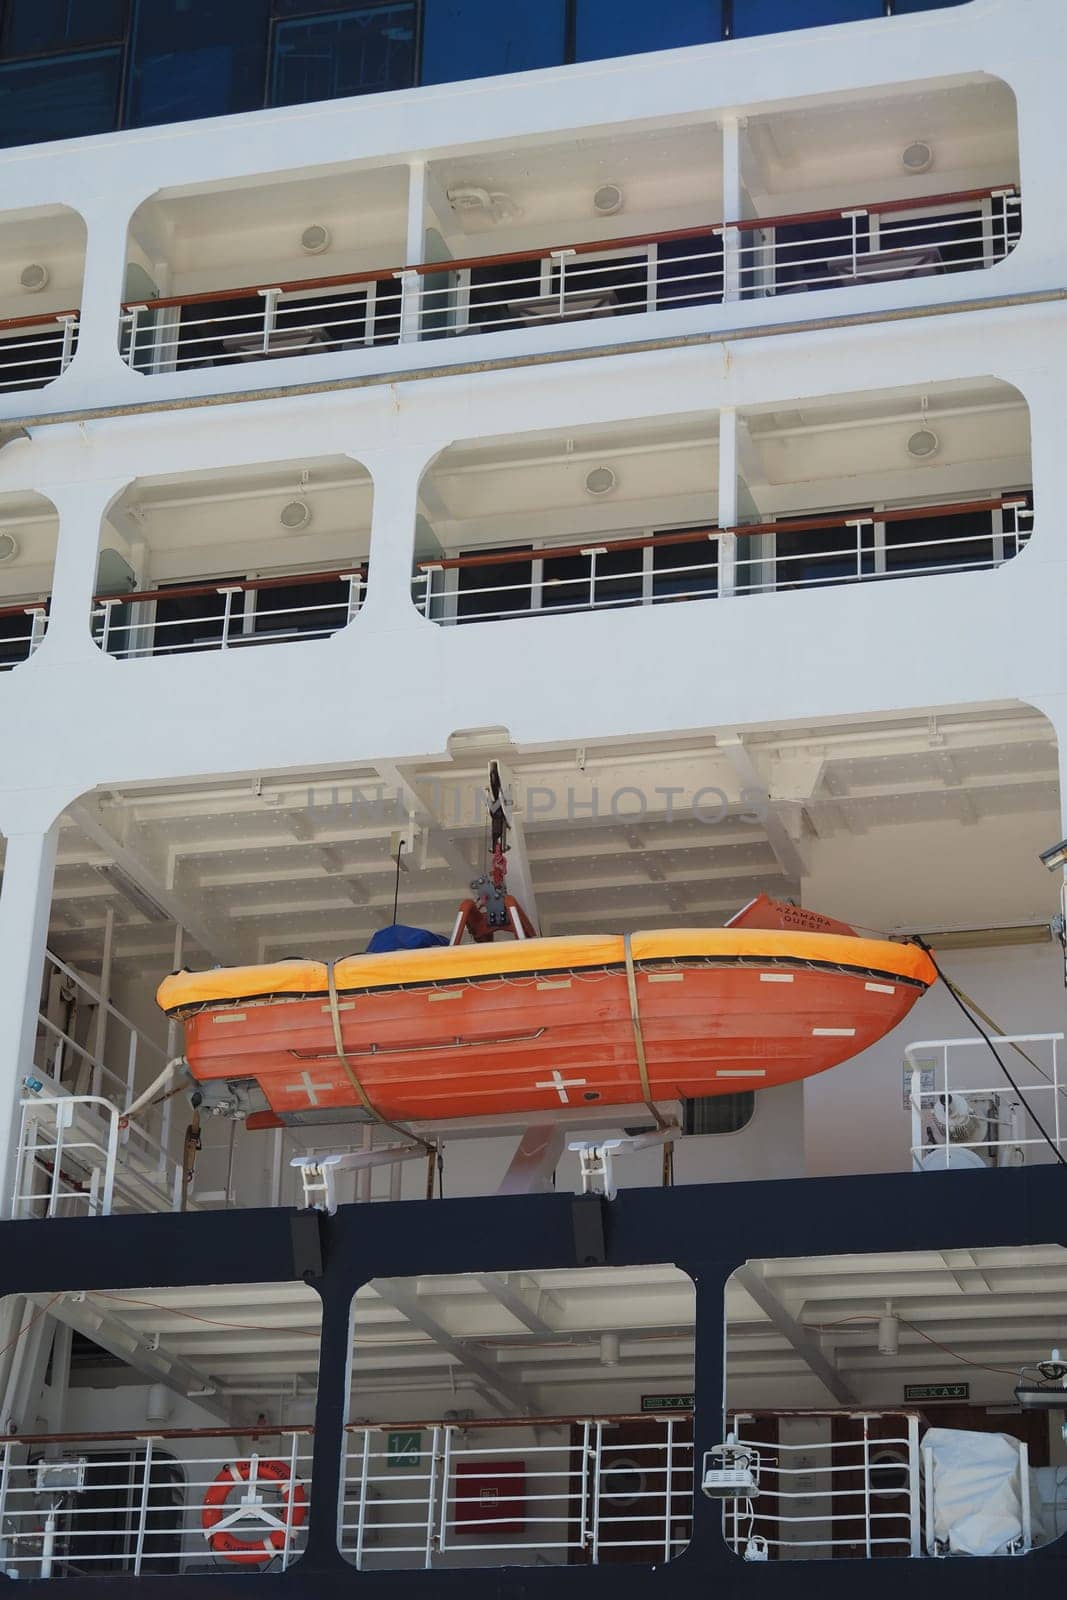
{"x":59,"y":99}
{"x":902,"y":6}
{"x":357,"y":51}
{"x":495,"y":589}
{"x":624,"y":27}
{"x":199,"y":60}
{"x":775,"y":16}
{"x":34,"y":27}
{"x":477,"y":38}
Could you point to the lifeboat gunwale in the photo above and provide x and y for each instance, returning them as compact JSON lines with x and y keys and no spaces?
{"x":795,"y":963}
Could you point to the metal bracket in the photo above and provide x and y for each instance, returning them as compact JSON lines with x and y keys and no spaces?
{"x":596,"y":1157}
{"x":317,"y":1172}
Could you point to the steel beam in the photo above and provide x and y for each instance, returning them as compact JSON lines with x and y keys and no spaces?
{"x":505,"y":1392}
{"x":799,"y":1340}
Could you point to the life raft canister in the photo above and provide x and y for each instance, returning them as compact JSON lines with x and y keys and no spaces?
{"x":292,"y":1512}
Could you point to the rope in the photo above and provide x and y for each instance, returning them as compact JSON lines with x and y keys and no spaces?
{"x":639,"y":1038}
{"x":353,"y":1077}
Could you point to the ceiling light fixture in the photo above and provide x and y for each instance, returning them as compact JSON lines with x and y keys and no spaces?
{"x":601,"y":480}
{"x":34,"y":278}
{"x":608,"y":199}
{"x":9,"y":547}
{"x":917,"y":158}
{"x":315,"y":239}
{"x":295,"y":515}
{"x":924,"y":443}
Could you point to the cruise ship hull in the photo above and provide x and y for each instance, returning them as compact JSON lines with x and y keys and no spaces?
{"x":532,"y":1026}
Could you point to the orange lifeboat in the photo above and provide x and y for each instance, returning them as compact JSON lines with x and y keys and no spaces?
{"x":535,"y":1025}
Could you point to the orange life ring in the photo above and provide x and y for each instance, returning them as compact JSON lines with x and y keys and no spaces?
{"x":265,"y":1546}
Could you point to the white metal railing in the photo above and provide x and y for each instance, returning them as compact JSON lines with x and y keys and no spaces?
{"x":152,"y":1504}
{"x":255,"y":324}
{"x":714,"y":562}
{"x":65,"y":1160}
{"x":30,"y":623}
{"x":576,"y":1498}
{"x":591,"y":279}
{"x":236,"y":614}
{"x":75,"y":1149}
{"x":856,"y":1496}
{"x":36,"y":350}
{"x":876,"y":244}
{"x":965,"y":1113}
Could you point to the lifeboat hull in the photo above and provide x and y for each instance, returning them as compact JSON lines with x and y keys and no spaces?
{"x":537,"y":1025}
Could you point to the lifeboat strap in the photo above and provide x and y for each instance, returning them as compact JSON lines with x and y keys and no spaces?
{"x":639,"y":1037}
{"x":353,"y":1077}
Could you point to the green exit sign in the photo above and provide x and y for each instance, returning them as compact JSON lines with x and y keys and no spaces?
{"x":937,"y":1391}
{"x":667,"y":1402}
{"x":403,"y":1449}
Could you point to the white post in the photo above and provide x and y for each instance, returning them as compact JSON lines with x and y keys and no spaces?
{"x":914,"y":1496}
{"x":361,"y":1510}
{"x":142,"y":1515}
{"x":728,"y":425}
{"x":25,"y":902}
{"x":732,"y":206}
{"x":102,"y":288}
{"x":100,"y":1031}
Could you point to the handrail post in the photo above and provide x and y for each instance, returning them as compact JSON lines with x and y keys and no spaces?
{"x":594,"y":1549}
{"x":867,"y":1487}
{"x":270,"y":315}
{"x":446,"y":1472}
{"x":38,"y":621}
{"x":355,"y":595}
{"x":427,"y":599}
{"x":914,"y":1496}
{"x":853,"y":217}
{"x":727,"y":563}
{"x":583,"y":1503}
{"x":915,"y":1101}
{"x":361,"y":1510}
{"x":290,"y":1502}
{"x":227,"y":615}
{"x":560,"y":257}
{"x":142,"y":1516}
{"x":431,"y":1498}
{"x":133,"y":315}
{"x":667,"y":1495}
{"x":66,"y":351}
{"x":107,"y":606}
{"x":112,"y":1162}
{"x":410,"y":301}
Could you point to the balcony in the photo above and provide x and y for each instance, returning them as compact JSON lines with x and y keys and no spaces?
{"x":42,"y":256}
{"x":212,"y":561}
{"x":824,"y":195}
{"x":608,"y":518}
{"x":29,"y":528}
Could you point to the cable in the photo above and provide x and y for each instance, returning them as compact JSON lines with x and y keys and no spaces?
{"x":951,"y":987}
{"x":396,"y":885}
{"x":1008,"y":1372}
{"x":192,"y":1316}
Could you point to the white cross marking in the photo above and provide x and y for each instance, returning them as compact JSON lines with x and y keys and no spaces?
{"x":305,"y":1086}
{"x":561,"y":1085}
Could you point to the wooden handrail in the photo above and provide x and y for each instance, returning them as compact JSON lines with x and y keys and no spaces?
{"x":27,"y":605}
{"x":581,"y":247}
{"x":38,"y":321}
{"x":915,"y":202}
{"x":188,"y":591}
{"x":698,"y":535}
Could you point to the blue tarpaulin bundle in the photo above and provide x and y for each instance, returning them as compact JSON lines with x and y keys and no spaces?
{"x":400,"y":937}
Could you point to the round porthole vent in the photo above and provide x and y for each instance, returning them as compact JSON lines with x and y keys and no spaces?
{"x":9,"y":547}
{"x":600,"y":481}
{"x":295,"y":515}
{"x":923,"y":444}
{"x":608,"y":199}
{"x":314,"y":240}
{"x":34,"y":278}
{"x":917,"y":158}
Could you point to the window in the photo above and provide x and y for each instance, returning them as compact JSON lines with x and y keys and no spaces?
{"x":360,"y":51}
{"x":608,"y":28}
{"x":776,"y":16}
{"x":478,"y":38}
{"x":495,"y":589}
{"x":64,"y":98}
{"x":200,"y":59}
{"x":38,"y":27}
